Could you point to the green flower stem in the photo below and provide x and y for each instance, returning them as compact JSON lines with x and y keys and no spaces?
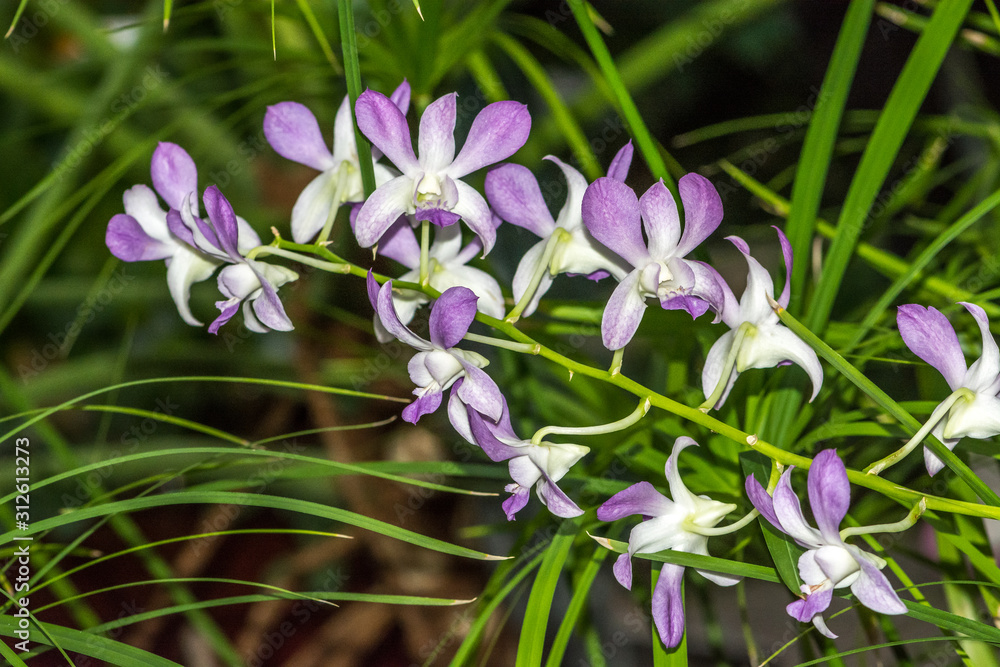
{"x":616,"y":362}
{"x":425,"y":245}
{"x":896,"y":527}
{"x":505,"y":344}
{"x":613,"y":427}
{"x":715,"y":531}
{"x":309,"y":261}
{"x":780,"y":456}
{"x":557,"y":237}
{"x":727,"y":368}
{"x":940,"y":412}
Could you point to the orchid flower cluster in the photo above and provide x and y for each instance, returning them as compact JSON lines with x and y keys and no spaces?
{"x":604,"y":230}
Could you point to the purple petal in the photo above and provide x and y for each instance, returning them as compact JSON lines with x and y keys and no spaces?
{"x":400,"y":243}
{"x":228,"y":308}
{"x":424,"y":405}
{"x":220,"y":212}
{"x":555,"y":499}
{"x":930,"y":336}
{"x":401,"y":96}
{"x":268,"y":307}
{"x":480,"y":392}
{"x":702,"y":211}
{"x":175,"y":224}
{"x":641,"y":498}
{"x":620,"y":164}
{"x":513,"y":192}
{"x":174,"y":173}
{"x":814,"y":603}
{"x":611,"y":213}
{"x":762,"y":501}
{"x":437,"y":134}
{"x":829,"y":493}
{"x":127,"y":241}
{"x":668,"y":605}
{"x":789,"y":513}
{"x":623,"y":313}
{"x":438,"y":216}
{"x":497,"y":132}
{"x":484,"y":434}
{"x":476,"y":213}
{"x":373,"y":288}
{"x":660,"y":218}
{"x":786,"y":253}
{"x":623,"y":570}
{"x":451,"y":316}
{"x":390,"y":320}
{"x":382,"y":209}
{"x":293,"y":132}
{"x":385,"y":126}
{"x":516,"y":502}
{"x":872,"y":589}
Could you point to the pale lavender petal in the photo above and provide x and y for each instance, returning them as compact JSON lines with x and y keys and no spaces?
{"x":175,"y":223}
{"x":611,"y":213}
{"x":702,"y":211}
{"x":480,"y":392}
{"x":174,"y":173}
{"x":294,"y":134}
{"x":481,"y":283}
{"x":451,"y":316}
{"x":678,"y":490}
{"x":707,"y":285}
{"x":526,"y":269}
{"x":497,"y":132}
{"x":984,"y":371}
{"x":829,"y":493}
{"x":662,"y":223}
{"x":786,"y":253}
{"x":715,"y":363}
{"x":872,"y":589}
{"x":623,"y":313}
{"x":382,"y":209}
{"x":373,"y":288}
{"x":437,"y":134}
{"x":623,"y":570}
{"x":220,"y":212}
{"x":516,"y":502}
{"x":513,"y":192}
{"x":400,"y":243}
{"x":814,"y":603}
{"x":184,"y":269}
{"x":228,"y":308}
{"x":571,"y":214}
{"x":267,"y":306}
{"x":484,"y":434}
{"x":754,"y":306}
{"x":641,"y":498}
{"x":345,"y":143}
{"x":476,"y":212}
{"x":458,"y":414}
{"x":313,"y":207}
{"x":618,"y":169}
{"x":401,"y":96}
{"x":930,"y":336}
{"x":127,"y":241}
{"x":789,"y":513}
{"x":933,"y":464}
{"x":385,"y":126}
{"x":668,"y":605}
{"x":424,"y":405}
{"x":390,"y":320}
{"x":555,"y":499}
{"x":762,"y":501}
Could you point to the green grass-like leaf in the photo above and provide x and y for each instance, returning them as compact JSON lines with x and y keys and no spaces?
{"x":536,"y":617}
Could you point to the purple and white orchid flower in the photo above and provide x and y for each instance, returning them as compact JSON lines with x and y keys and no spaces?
{"x":675,"y":524}
{"x":293,"y":132}
{"x":829,"y":562}
{"x":142,"y":232}
{"x":973,"y":409}
{"x":447,"y":260}
{"x":429,"y":187}
{"x":531,"y":464}
{"x":757,"y":338}
{"x":566,"y":245}
{"x":246,"y":281}
{"x":612,"y":213}
{"x":438,"y":364}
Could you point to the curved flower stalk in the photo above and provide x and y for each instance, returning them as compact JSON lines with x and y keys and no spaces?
{"x":245,"y":281}
{"x":566,"y":245}
{"x":447,"y":260}
{"x":531,"y":464}
{"x":757,"y":338}
{"x":829,"y":562}
{"x":681,"y":524}
{"x":438,"y":364}
{"x":142,"y":232}
{"x":973,"y":408}
{"x":293,"y":132}
{"x":429,"y":187}
{"x":612,"y":213}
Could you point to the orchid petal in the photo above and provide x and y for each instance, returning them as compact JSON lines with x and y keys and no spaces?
{"x":814,"y":603}
{"x":220,"y":212}
{"x":185,"y":268}
{"x":173,"y":172}
{"x":641,"y":498}
{"x":762,"y":501}
{"x":754,"y":306}
{"x":458,"y":414}
{"x":611,"y":213}
{"x":476,"y":212}
{"x":267,"y":306}
{"x":128,"y":241}
{"x":529,"y":265}
{"x":570,"y":215}
{"x":481,"y":283}
{"x":451,"y":316}
{"x":786,"y":253}
{"x":702,"y":211}
{"x":513,"y":192}
{"x":623,"y":313}
{"x":228,"y":308}
{"x":497,"y":132}
{"x":385,"y":126}
{"x":390,"y":320}
{"x":437,"y":134}
{"x":623,"y":570}
{"x":140,"y":203}
{"x":873,"y":589}
{"x":978,"y":418}
{"x":984,"y":372}
{"x":485,"y":436}
{"x":400,"y":243}
{"x":930,"y":336}
{"x":314,"y":206}
{"x":618,"y":169}
{"x":424,"y":405}
{"x":345,"y":143}
{"x":661,"y":221}
{"x":555,"y":499}
{"x":769,"y":346}
{"x":789,"y":513}
{"x":516,"y":502}
{"x":480,"y":392}
{"x":715,"y":362}
{"x":829,"y":493}
{"x":668,"y":605}
{"x":381,"y":210}
{"x":294,"y":134}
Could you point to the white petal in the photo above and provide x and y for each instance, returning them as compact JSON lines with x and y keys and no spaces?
{"x":312,"y":208}
{"x":184,"y":269}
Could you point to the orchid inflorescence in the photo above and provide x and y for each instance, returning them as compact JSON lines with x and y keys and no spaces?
{"x":603,"y":230}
